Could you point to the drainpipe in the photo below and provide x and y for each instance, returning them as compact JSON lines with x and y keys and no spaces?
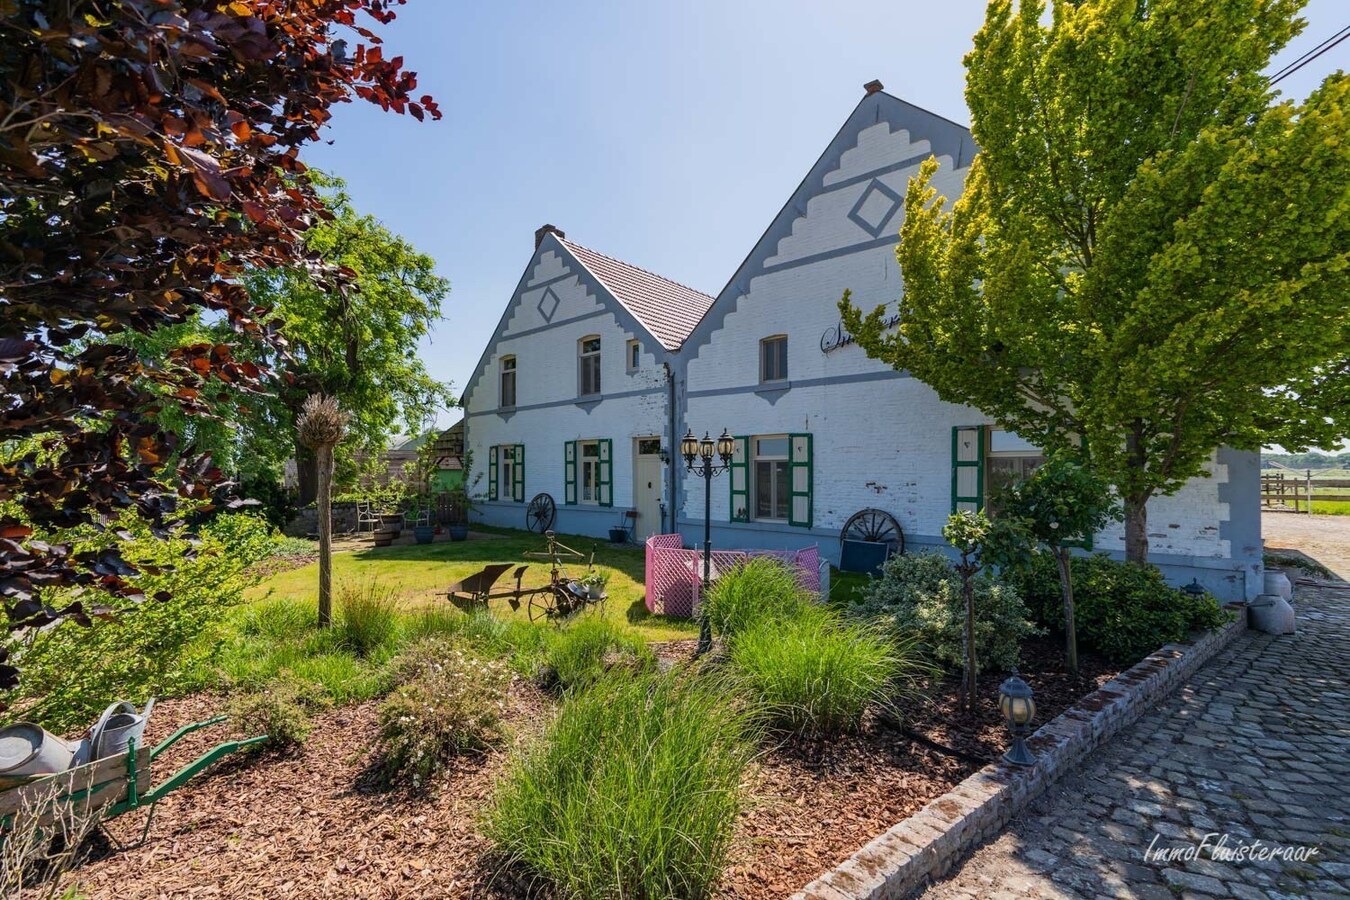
{"x":674,"y":448}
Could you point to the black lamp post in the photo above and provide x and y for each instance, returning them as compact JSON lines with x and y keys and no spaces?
{"x":691,"y":448}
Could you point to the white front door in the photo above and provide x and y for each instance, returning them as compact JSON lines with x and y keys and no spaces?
{"x":647,"y":487}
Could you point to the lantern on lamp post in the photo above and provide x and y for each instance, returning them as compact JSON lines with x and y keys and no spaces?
{"x":702,"y":451}
{"x":1018,"y":706}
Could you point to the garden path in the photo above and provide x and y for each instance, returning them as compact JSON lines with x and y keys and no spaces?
{"x":1256,"y":746}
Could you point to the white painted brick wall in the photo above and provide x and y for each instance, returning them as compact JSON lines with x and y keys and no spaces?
{"x":546,"y":372}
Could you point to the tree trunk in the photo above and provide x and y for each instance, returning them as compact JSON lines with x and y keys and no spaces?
{"x":306,"y":474}
{"x":968,"y":592}
{"x":1136,"y":529}
{"x":324,"y":502}
{"x":1066,"y":591}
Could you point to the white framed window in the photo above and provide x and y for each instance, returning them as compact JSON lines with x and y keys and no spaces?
{"x":508,"y":382}
{"x":589,"y":452}
{"x":773,"y":360}
{"x":588,"y":365}
{"x":771,"y":481}
{"x":1008,"y":457}
{"x":633,"y":355}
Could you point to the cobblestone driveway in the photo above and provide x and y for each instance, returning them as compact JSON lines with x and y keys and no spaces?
{"x":1256,"y":746}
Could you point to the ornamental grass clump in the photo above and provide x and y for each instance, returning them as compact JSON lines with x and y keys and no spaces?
{"x":451,"y":703}
{"x":577,"y":655}
{"x":815,"y":674}
{"x":632,"y":792}
{"x":367,"y":617}
{"x":760,"y":588}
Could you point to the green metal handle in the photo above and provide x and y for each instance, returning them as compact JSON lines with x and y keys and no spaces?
{"x":186,"y":729}
{"x":184,"y":774}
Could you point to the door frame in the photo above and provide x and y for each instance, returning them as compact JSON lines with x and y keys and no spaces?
{"x":658,"y":496}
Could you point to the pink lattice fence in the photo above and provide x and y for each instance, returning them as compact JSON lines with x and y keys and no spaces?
{"x":674,"y":574}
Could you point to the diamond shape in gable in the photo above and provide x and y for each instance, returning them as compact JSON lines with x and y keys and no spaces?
{"x":875,"y":208}
{"x":548,"y":304}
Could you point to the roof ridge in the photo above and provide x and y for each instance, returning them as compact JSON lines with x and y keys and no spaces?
{"x":646,"y":271}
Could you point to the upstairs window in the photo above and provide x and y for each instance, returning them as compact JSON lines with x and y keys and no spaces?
{"x":588,"y":360}
{"x":773,"y":362}
{"x":508,"y":381}
{"x":634,"y":354}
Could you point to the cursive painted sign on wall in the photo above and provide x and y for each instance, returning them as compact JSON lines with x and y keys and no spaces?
{"x":835,"y":336}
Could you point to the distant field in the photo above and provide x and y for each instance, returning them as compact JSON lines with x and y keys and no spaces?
{"x":1330,"y":507}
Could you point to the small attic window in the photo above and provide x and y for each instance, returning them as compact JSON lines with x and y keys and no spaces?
{"x":634,"y":356}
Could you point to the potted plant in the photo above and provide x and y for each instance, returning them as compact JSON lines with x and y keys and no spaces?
{"x":384,"y":536}
{"x":424,"y":534}
{"x":460,"y":505}
{"x":594,"y":583}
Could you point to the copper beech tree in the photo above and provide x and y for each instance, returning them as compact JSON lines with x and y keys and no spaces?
{"x":149,"y":156}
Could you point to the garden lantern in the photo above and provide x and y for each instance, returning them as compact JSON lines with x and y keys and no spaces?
{"x":692,"y":448}
{"x":1194,"y":590}
{"x":1018,"y":706}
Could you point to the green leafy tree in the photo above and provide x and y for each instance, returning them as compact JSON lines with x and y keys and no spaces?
{"x":1151,"y":255}
{"x":358,"y":345}
{"x":1060,"y":505}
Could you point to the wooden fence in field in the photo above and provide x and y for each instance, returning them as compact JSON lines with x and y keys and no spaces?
{"x":1299,"y":491}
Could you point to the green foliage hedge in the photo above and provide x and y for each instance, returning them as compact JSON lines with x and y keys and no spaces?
{"x":632,"y":792}
{"x":1122,"y":610}
{"x":149,"y":648}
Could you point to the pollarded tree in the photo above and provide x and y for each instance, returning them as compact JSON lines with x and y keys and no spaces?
{"x":320,"y":428}
{"x":149,"y":156}
{"x":1151,"y":256}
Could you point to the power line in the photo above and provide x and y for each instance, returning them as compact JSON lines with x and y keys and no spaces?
{"x":1311,"y":55}
{"x":1301,"y":60}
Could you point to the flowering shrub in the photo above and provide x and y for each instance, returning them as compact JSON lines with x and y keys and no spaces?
{"x":450,"y":702}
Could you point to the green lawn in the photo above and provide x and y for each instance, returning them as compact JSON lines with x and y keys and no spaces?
{"x":422,"y":572}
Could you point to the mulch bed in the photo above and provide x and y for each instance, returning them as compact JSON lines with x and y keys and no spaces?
{"x":312,"y":824}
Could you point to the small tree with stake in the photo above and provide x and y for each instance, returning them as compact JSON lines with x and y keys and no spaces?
{"x":321,"y":426}
{"x":1060,"y":505}
{"x":968,"y":532}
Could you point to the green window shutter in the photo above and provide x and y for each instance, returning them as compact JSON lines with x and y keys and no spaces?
{"x":800,"y":480}
{"x":606,"y":472}
{"x":968,"y":468}
{"x":518,"y":475}
{"x":740,"y":481}
{"x":492,"y":472}
{"x":569,"y":473}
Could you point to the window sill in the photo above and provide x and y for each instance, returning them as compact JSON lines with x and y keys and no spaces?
{"x":589,"y":401}
{"x":773,"y":388}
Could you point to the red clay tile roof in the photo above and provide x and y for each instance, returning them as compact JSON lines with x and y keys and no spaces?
{"x":668,"y":309}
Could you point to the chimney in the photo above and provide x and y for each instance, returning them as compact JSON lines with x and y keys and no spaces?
{"x":872,"y":87}
{"x":546,"y":229}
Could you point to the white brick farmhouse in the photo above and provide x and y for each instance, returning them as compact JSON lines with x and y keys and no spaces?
{"x":598,"y":367}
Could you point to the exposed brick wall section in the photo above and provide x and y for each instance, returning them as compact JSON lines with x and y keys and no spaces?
{"x":929,"y":843}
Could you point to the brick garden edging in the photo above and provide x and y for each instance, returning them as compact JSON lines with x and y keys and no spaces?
{"x":928,"y":843}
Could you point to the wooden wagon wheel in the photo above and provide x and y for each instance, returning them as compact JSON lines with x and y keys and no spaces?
{"x":876,"y":526}
{"x":543,"y":604}
{"x":541,"y":512}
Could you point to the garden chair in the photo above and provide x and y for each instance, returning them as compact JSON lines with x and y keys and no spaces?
{"x":367,"y":519}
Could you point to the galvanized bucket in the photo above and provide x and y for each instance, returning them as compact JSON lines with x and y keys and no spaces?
{"x":119,"y":725}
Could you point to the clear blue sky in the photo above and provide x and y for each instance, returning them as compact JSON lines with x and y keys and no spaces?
{"x":665,"y":134}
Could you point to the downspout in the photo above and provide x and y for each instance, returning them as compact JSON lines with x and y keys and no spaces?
{"x":674,"y":447}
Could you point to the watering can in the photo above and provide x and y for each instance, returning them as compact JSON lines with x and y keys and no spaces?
{"x":119,"y":725}
{"x":27,"y":749}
